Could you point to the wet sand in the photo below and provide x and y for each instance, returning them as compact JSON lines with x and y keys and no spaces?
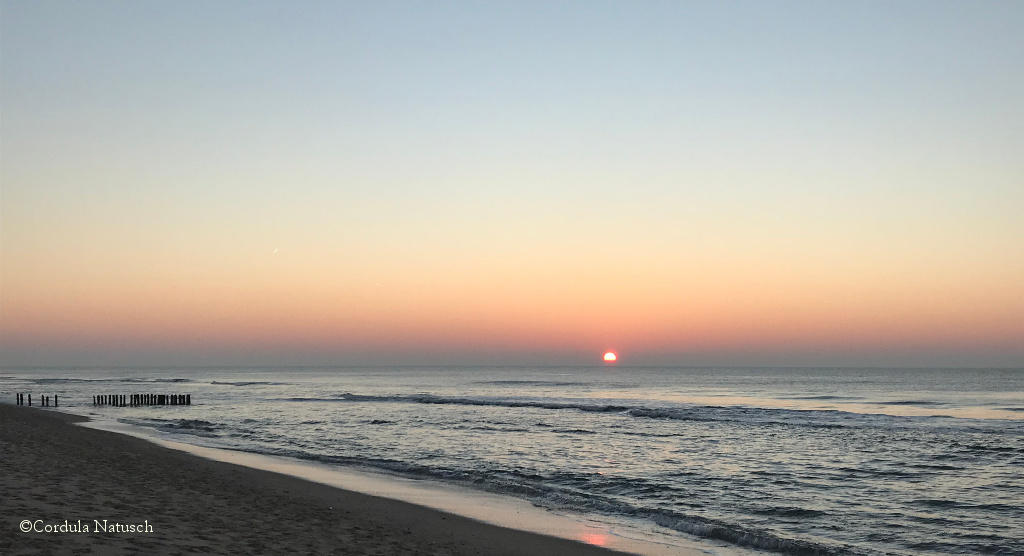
{"x":52,"y":470}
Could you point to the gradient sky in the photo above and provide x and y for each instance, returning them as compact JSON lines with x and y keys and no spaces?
{"x":734,"y":183}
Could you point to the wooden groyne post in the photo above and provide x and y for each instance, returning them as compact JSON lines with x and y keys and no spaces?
{"x":136,"y":400}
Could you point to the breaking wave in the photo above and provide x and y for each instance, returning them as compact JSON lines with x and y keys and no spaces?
{"x":195,"y":427}
{"x":764,"y":416}
{"x":249,"y":383}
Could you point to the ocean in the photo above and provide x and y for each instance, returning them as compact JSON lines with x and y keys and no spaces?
{"x":788,"y":460}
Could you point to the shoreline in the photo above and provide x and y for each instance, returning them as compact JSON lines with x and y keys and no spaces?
{"x":55,"y":470}
{"x":476,"y":504}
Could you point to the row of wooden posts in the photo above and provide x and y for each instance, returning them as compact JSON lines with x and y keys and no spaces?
{"x":117,"y":400}
{"x":44,"y":401}
{"x":134,"y":400}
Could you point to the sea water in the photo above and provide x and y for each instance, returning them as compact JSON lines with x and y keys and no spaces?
{"x":797,"y":461}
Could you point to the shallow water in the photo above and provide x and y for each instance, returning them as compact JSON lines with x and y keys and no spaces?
{"x":801,"y":461}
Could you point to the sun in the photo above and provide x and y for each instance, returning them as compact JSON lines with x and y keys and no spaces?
{"x":610,"y":357}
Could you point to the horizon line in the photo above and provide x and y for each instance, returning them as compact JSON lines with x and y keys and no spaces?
{"x":517,"y":366}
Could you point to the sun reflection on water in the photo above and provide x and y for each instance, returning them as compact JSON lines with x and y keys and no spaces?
{"x":596,"y":539}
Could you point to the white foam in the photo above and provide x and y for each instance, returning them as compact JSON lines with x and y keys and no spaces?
{"x":490,"y":508}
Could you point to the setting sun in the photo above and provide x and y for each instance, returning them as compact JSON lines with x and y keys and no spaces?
{"x":391,"y":233}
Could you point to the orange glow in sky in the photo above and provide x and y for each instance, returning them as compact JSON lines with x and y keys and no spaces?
{"x":530,"y":194}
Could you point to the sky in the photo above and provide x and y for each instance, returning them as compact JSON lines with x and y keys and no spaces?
{"x":349,"y":183}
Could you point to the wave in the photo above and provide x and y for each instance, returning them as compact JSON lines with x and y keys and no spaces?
{"x":529,"y":383}
{"x":579,"y":492}
{"x":788,"y":511}
{"x":104,"y":380}
{"x":824,"y":398}
{"x":706,"y":413}
{"x":441,"y":400}
{"x":250,"y":383}
{"x":488,"y":428}
{"x":908,"y":402}
{"x":936,"y":467}
{"x":762,"y":540}
{"x":946,"y":504}
{"x":564,"y":490}
{"x":935,"y":503}
{"x":72,"y":380}
{"x":983,"y":448}
{"x":195,"y":427}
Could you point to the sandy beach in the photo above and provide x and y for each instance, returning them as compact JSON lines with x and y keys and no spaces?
{"x":53,"y":471}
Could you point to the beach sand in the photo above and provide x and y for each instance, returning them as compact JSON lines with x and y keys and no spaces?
{"x":52,"y":470}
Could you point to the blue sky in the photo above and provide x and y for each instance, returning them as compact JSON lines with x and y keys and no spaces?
{"x":742,"y":167}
